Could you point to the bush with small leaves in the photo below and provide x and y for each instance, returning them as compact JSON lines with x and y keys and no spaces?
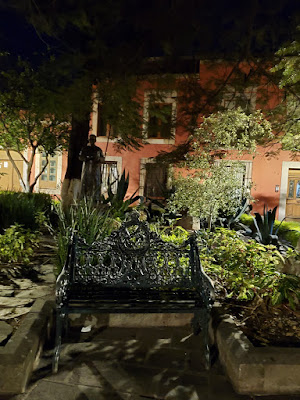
{"x":17,"y":245}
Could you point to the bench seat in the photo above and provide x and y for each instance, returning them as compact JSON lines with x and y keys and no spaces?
{"x":133,"y":271}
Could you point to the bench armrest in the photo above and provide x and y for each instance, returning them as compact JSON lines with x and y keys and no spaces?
{"x":63,"y":279}
{"x":201,"y":280}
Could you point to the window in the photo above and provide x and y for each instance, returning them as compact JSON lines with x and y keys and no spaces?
{"x":154,"y":179}
{"x":245,"y":175}
{"x":160,"y":116}
{"x":109,"y":175}
{"x":233,"y":98}
{"x":103,"y":129}
{"x":111,"y":169}
{"x":48,"y":179}
{"x":160,"y":121}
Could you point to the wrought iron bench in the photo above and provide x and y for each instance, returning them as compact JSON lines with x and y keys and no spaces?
{"x":134,"y":271}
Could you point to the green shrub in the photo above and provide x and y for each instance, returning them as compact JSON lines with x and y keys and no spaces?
{"x":17,"y":244}
{"x":174,"y":234}
{"x":244,"y":270}
{"x":247,"y":219}
{"x":177,"y":236}
{"x":292,"y":236}
{"x":24,"y":209}
{"x":289,"y":230}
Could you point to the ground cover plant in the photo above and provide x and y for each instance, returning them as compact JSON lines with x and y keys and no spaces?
{"x":17,"y":244}
{"x":22,"y":215}
{"x":250,"y":286}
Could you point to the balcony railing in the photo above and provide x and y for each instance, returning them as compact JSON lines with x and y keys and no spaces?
{"x":110,"y":175}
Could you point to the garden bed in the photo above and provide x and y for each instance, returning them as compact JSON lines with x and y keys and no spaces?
{"x":253,"y":370}
{"x":272,"y":326}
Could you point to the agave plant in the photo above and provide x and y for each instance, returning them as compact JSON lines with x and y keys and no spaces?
{"x":117,"y":200}
{"x":265,"y":227}
{"x":228,"y":221}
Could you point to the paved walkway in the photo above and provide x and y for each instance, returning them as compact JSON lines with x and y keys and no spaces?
{"x":131,"y":364}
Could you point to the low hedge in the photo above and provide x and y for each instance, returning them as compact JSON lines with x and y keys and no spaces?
{"x":23,"y":209}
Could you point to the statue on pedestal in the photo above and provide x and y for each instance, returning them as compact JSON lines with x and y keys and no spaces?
{"x":92,"y":156}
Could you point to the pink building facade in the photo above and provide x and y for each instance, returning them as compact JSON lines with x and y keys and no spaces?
{"x":276,"y":180}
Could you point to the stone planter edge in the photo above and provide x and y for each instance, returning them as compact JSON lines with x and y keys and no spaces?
{"x":21,"y":353}
{"x":256,"y":370}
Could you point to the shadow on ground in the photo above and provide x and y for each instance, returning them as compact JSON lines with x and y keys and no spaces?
{"x":132,"y":364}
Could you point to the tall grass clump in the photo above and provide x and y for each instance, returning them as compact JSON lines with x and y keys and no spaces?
{"x":84,"y":219}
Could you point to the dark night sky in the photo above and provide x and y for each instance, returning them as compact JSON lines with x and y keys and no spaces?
{"x":221,"y":29}
{"x":19,"y":37}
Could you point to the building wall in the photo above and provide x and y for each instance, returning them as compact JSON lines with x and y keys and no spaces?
{"x":269,"y":174}
{"x":9,"y":179}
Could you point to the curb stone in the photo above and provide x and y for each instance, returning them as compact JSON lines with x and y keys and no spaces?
{"x":257,"y":370}
{"x":21,"y":353}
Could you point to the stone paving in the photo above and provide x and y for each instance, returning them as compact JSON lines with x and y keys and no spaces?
{"x":17,"y":294}
{"x":131,"y":363}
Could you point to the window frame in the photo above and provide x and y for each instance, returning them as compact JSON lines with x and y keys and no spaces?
{"x":250,"y":93}
{"x":163,"y":96}
{"x":143,"y":171}
{"x":248,"y":169}
{"x":94,"y":125}
{"x":118,"y":162}
{"x":56,"y":186}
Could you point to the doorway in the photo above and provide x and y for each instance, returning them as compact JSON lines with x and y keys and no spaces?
{"x":292,"y":210}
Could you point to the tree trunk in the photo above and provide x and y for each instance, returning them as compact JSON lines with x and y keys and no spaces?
{"x":78,"y":138}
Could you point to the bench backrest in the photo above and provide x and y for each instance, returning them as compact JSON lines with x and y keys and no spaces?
{"x":134,"y":256}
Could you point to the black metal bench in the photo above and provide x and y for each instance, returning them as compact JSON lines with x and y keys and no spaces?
{"x":134,"y":271}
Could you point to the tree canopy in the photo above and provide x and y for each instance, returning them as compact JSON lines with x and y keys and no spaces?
{"x":26,"y":121}
{"x":109,"y":44}
{"x":288,"y":71}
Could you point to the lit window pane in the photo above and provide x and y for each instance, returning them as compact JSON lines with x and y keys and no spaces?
{"x":160,"y":120}
{"x":52,"y":178}
{"x":298,"y":190}
{"x":291,"y":189}
{"x":53,"y":163}
{"x":52,"y":170}
{"x":44,"y":177}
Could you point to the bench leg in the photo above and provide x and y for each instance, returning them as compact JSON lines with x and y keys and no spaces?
{"x":58,"y":337}
{"x":200,"y":323}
